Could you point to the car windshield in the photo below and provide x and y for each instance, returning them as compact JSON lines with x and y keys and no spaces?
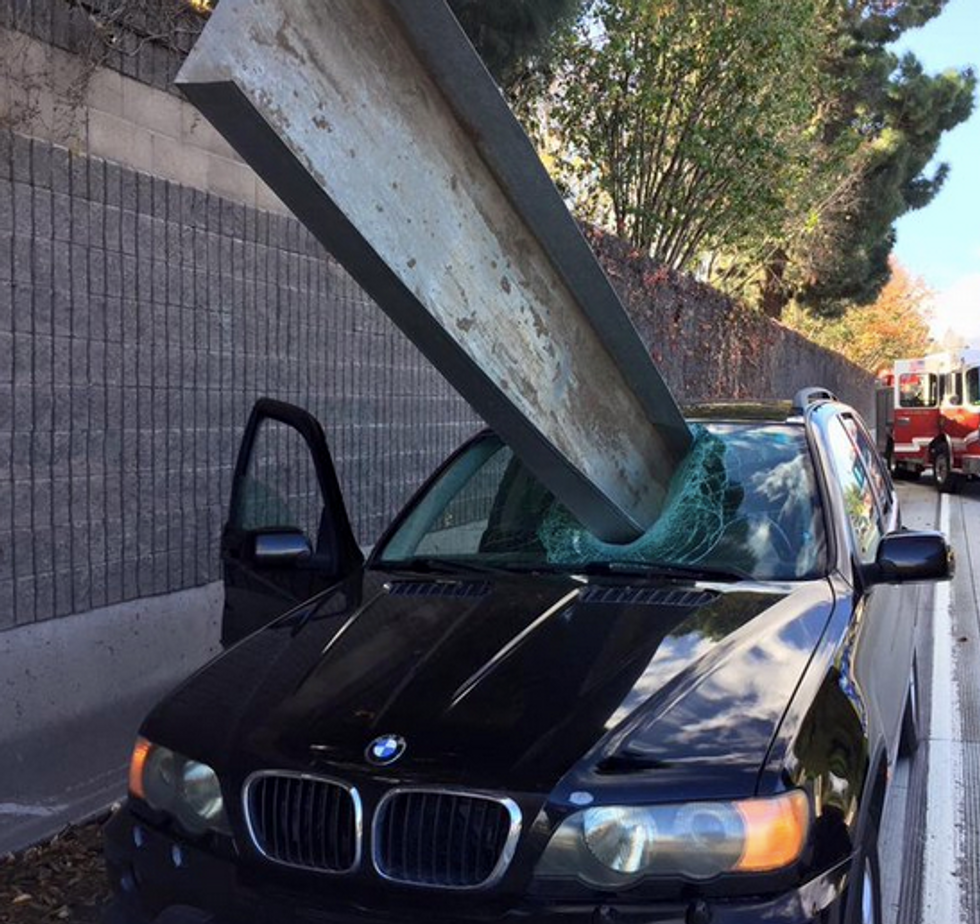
{"x":744,"y":504}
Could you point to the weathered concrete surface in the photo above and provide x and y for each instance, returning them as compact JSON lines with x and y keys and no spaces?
{"x":74,"y":694}
{"x":377,"y":124}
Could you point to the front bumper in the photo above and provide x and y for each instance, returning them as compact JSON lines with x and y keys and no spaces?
{"x":170,"y":881}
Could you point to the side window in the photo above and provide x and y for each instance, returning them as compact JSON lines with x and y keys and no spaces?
{"x":485,"y":503}
{"x":855,"y":485}
{"x":952,"y":386}
{"x":281,"y":489}
{"x":459,"y":529}
{"x":871,"y":460}
{"x":973,"y":386}
{"x":917,"y":389}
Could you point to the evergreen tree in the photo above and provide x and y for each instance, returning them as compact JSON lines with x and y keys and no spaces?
{"x":888,"y":116}
{"x":515,"y":38}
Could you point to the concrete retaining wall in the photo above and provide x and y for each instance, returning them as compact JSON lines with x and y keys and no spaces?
{"x":74,"y":694}
{"x":710,"y":348}
{"x":139,"y":320}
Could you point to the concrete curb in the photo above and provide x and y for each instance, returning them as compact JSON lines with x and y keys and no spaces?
{"x":75,"y":692}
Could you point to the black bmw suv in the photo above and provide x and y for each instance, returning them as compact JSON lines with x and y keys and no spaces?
{"x":500,"y":718}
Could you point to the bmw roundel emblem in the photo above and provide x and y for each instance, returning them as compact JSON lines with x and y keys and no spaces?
{"x":385,"y":750}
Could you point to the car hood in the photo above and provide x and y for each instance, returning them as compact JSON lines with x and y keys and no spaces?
{"x":518,"y":682}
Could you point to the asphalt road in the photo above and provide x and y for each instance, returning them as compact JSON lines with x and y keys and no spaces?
{"x":930,"y":836}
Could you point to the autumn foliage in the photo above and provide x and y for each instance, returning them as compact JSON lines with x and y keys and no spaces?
{"x":872,"y":336}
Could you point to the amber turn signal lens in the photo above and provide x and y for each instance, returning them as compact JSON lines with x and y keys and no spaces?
{"x":775,"y":831}
{"x":141,"y":750}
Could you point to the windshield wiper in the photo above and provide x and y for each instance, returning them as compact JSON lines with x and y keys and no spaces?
{"x":431,"y":565}
{"x":658,"y":569}
{"x":428,"y":565}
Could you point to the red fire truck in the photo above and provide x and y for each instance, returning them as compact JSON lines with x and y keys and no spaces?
{"x":929,"y":415}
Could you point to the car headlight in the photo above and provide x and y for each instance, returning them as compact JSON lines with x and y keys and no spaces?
{"x":615,"y":846}
{"x":184,"y":788}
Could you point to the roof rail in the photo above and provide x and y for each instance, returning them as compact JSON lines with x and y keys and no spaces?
{"x":810,"y":395}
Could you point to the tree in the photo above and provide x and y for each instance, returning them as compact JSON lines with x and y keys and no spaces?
{"x":515,"y":38}
{"x":880,"y":123}
{"x":680,"y":119}
{"x":873,"y":336}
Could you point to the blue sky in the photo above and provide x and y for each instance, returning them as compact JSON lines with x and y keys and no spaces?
{"x":941,"y":242}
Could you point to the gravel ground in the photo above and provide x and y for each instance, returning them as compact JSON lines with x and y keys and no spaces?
{"x":62,"y":880}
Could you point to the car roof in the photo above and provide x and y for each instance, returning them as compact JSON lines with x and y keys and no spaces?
{"x":754,"y":410}
{"x":742,"y":410}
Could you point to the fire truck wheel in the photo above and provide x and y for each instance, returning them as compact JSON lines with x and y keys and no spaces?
{"x":946,"y":479}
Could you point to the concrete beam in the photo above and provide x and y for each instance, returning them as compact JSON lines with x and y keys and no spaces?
{"x":377,"y":124}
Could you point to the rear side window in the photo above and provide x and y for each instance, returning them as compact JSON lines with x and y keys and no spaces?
{"x":872,"y":462}
{"x":855,"y":486}
{"x":917,"y":389}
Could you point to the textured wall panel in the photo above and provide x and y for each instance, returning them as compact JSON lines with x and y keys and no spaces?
{"x":139,"y":320}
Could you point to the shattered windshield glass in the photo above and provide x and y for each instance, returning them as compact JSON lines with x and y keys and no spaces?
{"x":744,"y":503}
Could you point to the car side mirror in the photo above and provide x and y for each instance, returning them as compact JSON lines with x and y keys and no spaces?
{"x":281,"y":548}
{"x":909,"y":556}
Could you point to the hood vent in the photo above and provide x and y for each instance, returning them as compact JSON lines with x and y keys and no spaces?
{"x":437,"y":589}
{"x":646,"y":596}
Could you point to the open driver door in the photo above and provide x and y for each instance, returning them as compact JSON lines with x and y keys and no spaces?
{"x":288,"y":535}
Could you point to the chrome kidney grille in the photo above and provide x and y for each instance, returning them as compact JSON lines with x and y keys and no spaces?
{"x":444,"y":839}
{"x":304,"y":821}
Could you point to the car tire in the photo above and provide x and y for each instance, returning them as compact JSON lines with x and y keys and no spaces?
{"x":908,"y":742}
{"x":864,"y":892}
{"x":117,"y":912}
{"x":946,"y":479}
